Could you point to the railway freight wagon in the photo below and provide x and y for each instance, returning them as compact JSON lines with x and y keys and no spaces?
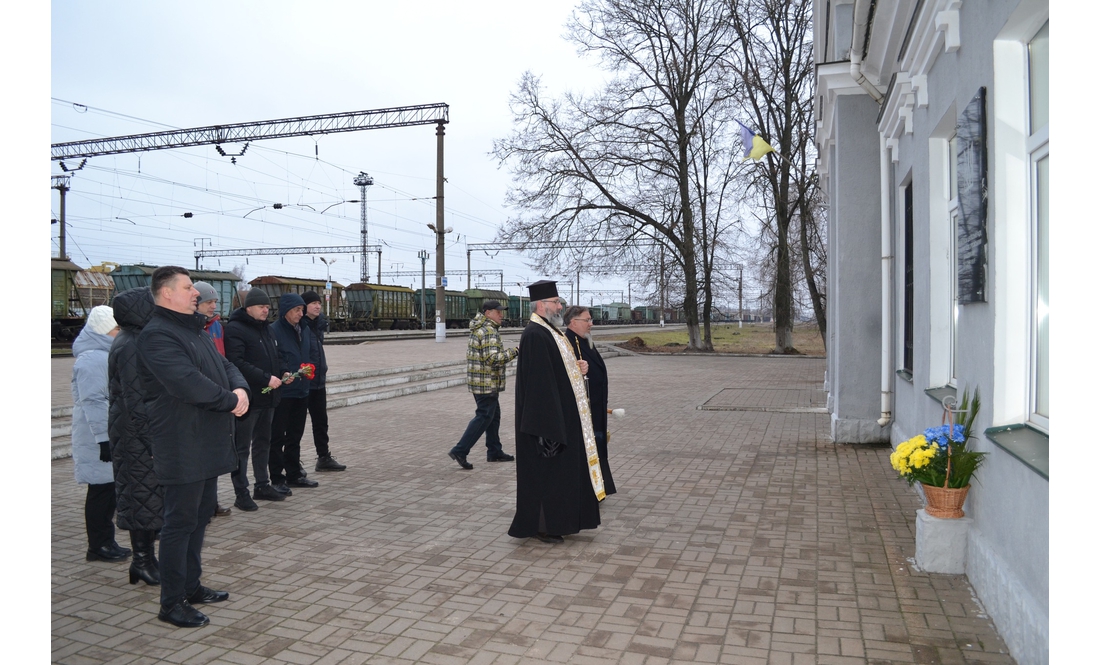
{"x":275,"y":286}
{"x":642,"y":314}
{"x":617,"y":312}
{"x":133,"y":275}
{"x":380,"y":307}
{"x":474,"y":298}
{"x":67,"y":310}
{"x":455,"y":301}
{"x":599,"y":314}
{"x":519,"y":311}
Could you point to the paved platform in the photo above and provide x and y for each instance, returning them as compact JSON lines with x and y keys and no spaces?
{"x":739,"y":535}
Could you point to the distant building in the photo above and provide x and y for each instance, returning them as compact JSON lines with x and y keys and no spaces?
{"x":934,"y":156}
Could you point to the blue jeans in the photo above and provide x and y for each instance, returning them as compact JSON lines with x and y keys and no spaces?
{"x":187,"y":510}
{"x":486,"y":421}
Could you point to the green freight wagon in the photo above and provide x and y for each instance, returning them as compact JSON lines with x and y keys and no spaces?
{"x":519,"y":311}
{"x":132,"y":276}
{"x":391,"y":306}
{"x":455,"y":301}
{"x":474,"y":298}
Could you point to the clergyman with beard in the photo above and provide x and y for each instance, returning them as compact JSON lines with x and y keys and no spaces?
{"x":578,"y":329}
{"x":559,"y":483}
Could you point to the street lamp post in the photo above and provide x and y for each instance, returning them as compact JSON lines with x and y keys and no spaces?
{"x":423,"y":287}
{"x":440,"y":269}
{"x":328,"y":283}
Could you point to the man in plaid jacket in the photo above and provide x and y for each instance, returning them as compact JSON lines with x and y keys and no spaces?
{"x":486,"y":360}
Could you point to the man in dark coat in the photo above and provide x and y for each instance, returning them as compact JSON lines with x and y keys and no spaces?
{"x":191,"y":395}
{"x":558,"y":486}
{"x":289,"y":422}
{"x":140,"y":507}
{"x":317,"y":405}
{"x":578,"y":324}
{"x":251,"y":346}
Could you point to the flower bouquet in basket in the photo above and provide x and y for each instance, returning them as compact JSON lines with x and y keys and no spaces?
{"x":940,"y":461}
{"x":307,"y":370}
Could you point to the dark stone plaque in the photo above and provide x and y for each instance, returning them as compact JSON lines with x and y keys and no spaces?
{"x":973,"y":201}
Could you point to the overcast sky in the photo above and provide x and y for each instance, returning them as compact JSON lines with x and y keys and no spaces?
{"x":130,"y":67}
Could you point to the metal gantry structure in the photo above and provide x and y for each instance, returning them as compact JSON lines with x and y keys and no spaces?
{"x":288,"y":251}
{"x":457,"y":273}
{"x":362,"y":181}
{"x":310,"y":125}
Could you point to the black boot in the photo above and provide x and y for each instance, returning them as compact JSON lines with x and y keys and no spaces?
{"x":144,"y":567}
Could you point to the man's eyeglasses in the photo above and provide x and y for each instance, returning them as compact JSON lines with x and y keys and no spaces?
{"x":589,"y":320}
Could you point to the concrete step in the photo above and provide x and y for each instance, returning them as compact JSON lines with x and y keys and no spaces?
{"x":415,"y":384}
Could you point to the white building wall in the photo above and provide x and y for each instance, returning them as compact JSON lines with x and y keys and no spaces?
{"x":1008,"y":562}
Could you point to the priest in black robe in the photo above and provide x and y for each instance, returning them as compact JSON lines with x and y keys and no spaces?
{"x":578,"y":329}
{"x":559,"y":486}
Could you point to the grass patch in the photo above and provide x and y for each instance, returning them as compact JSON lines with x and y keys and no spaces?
{"x":727,"y":338}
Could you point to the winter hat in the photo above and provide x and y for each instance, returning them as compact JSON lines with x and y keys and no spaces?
{"x":256,"y":297}
{"x":492,"y":304}
{"x":311,"y":296}
{"x":101,"y":320}
{"x":206,"y":292}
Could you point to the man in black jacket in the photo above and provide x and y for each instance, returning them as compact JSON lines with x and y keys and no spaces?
{"x":289,"y":422}
{"x":192,"y":394}
{"x":250,"y":345}
{"x":317,"y":404}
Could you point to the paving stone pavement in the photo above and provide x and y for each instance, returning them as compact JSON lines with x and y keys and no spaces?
{"x":736,"y":537}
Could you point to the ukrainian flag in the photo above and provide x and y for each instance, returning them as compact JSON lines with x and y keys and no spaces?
{"x":755,"y":145}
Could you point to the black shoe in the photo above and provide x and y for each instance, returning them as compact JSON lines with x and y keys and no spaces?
{"x":501,"y":457}
{"x":547,"y":538}
{"x":268,"y":493}
{"x":461,"y":459}
{"x":221,"y":512}
{"x":183,"y":615}
{"x":245,"y":502}
{"x":281,"y":488}
{"x":205,"y":595}
{"x":328,"y":463}
{"x":301,"y":481}
{"x":109,"y":552}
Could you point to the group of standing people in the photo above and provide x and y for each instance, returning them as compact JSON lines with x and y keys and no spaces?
{"x":562,"y":469}
{"x":166,"y":399}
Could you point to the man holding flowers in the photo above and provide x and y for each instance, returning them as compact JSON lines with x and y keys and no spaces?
{"x":289,"y":424}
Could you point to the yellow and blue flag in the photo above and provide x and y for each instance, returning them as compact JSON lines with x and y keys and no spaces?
{"x":755,"y":145}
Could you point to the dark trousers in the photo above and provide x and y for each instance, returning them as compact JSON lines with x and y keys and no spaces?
{"x":287,"y":427}
{"x":253,"y":435}
{"x":99,"y":515}
{"x":486,"y":421}
{"x":318,"y":417}
{"x":187,"y":510}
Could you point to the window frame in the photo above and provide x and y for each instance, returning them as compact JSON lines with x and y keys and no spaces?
{"x":1038,"y":149}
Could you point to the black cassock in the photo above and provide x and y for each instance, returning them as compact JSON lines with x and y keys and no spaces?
{"x":597,"y":397}
{"x":557,"y":489}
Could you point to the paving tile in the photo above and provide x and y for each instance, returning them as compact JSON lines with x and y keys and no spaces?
{"x":736,"y":537}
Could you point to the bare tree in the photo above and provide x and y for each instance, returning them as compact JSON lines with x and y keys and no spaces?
{"x":775,"y":65}
{"x":629,"y":162}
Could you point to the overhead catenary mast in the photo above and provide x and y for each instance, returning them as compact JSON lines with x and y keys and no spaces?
{"x":362,"y":181}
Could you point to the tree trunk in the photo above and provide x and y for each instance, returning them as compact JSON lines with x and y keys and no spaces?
{"x":782,"y":305}
{"x":807,"y":269}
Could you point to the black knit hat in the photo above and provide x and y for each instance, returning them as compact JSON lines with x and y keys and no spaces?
{"x":256,"y":297}
{"x":311,"y":296}
{"x":492,"y":304}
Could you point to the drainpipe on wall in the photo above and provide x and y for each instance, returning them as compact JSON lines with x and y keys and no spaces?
{"x":861,"y":22}
{"x":887,"y":287}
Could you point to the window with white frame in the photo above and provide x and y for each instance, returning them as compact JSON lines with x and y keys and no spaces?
{"x":1038,"y":146}
{"x":943,"y":209}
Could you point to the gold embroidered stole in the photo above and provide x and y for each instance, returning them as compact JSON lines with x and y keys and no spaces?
{"x":576,"y":380}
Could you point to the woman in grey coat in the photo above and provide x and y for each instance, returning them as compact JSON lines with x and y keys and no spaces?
{"x":91,"y":447}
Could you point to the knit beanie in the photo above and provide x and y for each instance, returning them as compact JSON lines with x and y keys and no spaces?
{"x":206,"y":292}
{"x":311,"y":296}
{"x":256,"y":297}
{"x":101,"y":320}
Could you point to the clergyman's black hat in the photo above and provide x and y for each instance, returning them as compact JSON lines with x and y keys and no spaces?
{"x":543,"y":289}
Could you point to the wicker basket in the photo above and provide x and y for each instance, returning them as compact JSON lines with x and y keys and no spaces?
{"x":945,"y":502}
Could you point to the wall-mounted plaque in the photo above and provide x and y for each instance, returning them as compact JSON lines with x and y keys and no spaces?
{"x":971,"y":232}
